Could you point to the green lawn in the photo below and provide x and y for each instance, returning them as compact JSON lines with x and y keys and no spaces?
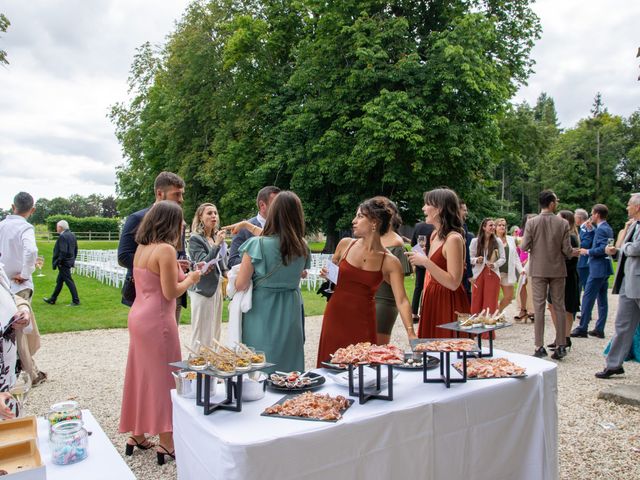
{"x":100,"y":303}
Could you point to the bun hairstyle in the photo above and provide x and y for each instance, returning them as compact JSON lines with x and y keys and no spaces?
{"x":378,"y":210}
{"x":396,"y":219}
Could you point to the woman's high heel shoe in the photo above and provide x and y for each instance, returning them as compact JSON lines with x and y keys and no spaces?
{"x":145,"y":445}
{"x":161,"y":455}
{"x":522,"y":316}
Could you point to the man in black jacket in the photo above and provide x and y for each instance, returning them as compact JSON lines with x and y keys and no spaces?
{"x":167,"y":186}
{"x":65,"y":252}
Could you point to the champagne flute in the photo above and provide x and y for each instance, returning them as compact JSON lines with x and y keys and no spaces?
{"x":20,"y":390}
{"x":39,"y":265}
{"x":329,"y":288}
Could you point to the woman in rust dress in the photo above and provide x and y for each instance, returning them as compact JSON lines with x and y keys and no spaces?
{"x":350,"y":316}
{"x":443,"y":291}
{"x":153,"y":333}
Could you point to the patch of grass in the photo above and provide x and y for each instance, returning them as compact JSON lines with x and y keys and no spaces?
{"x":316,"y":247}
{"x":100,"y":304}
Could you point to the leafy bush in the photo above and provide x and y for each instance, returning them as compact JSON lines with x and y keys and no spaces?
{"x":86,"y":224}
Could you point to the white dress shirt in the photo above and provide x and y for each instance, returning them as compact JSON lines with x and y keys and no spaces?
{"x":261,"y":220}
{"x":18,"y":250}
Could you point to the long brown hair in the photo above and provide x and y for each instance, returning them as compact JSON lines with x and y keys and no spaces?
{"x":569,"y":216}
{"x":493,"y":240}
{"x":447,"y":202}
{"x":162,"y":224}
{"x":286,"y":220}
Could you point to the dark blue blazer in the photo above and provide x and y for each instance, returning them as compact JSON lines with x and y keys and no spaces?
{"x":586,"y":241}
{"x":599,"y":262}
{"x":242,"y":236}
{"x":65,"y":250}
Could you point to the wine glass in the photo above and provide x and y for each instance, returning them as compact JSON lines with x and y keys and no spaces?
{"x":20,"y":390}
{"x":39,"y":265}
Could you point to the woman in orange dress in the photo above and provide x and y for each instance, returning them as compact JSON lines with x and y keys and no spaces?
{"x":153,"y":333}
{"x":350,"y":316}
{"x":445,"y":263}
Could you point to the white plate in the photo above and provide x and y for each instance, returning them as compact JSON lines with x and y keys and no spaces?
{"x":369,"y":378}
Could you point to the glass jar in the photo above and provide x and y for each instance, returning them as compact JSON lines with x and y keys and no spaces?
{"x":63,"y":411}
{"x":69,"y":442}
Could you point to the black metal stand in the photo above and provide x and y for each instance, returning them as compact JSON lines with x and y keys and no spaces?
{"x":445,"y":369}
{"x":233,"y":387}
{"x":364,"y":397}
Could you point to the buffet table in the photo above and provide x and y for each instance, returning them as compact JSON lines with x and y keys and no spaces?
{"x":498,"y":429}
{"x":102,"y":463}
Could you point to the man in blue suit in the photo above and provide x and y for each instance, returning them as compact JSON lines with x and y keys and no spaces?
{"x":587,"y":233}
{"x":600,"y":269}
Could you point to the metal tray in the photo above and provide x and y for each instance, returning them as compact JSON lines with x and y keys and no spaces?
{"x":287,"y":397}
{"x":432,"y":362}
{"x":317,"y":381}
{"x":469,"y":377}
{"x":214,"y":373}
{"x":418,"y":341}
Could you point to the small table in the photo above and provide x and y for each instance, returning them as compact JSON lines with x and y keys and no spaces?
{"x":102,"y":463}
{"x":478,"y":331}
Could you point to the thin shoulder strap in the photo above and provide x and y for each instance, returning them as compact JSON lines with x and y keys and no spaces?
{"x":384,"y":255}
{"x":347,"y":252}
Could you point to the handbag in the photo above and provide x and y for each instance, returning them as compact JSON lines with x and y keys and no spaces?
{"x":129,"y":289}
{"x":325,"y":290}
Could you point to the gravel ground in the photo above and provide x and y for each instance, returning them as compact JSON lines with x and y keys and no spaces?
{"x":89,"y":367}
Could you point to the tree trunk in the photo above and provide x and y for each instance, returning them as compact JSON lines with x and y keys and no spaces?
{"x":332,"y":242}
{"x":598,"y":164}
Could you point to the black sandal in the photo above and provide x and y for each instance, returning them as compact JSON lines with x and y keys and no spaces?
{"x":519,"y":318}
{"x":146,"y":445}
{"x":161,"y":455}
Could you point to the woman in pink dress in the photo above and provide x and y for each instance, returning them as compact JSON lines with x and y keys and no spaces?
{"x":153,"y":333}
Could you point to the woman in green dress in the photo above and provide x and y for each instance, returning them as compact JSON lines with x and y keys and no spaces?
{"x":275,"y":261}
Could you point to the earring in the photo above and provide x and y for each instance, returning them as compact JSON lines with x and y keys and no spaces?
{"x":373,"y":229}
{"x":201,"y":226}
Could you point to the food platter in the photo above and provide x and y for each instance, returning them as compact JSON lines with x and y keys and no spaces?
{"x":292,"y":417}
{"x":317,"y":381}
{"x":433,"y":345}
{"x":412,"y":363}
{"x":497,"y":362}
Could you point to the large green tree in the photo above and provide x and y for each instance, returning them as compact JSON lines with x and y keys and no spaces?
{"x":336,"y":100}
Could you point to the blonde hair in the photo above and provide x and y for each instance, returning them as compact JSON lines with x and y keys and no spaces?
{"x":196,"y":225}
{"x":497,"y":221}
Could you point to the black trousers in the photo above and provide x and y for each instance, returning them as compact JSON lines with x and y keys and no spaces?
{"x":417,"y":291}
{"x":64,"y":276}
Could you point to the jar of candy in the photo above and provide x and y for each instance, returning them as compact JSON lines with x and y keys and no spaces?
{"x":68,"y":442}
{"x":63,"y":411}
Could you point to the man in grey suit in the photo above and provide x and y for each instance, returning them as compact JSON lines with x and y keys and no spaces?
{"x":265,"y":196}
{"x":546,"y":237}
{"x":627,"y":286}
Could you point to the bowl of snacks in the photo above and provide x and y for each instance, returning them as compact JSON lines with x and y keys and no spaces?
{"x":197,"y":362}
{"x":258,"y":359}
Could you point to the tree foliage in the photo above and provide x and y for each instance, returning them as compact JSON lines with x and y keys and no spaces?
{"x":4,"y":25}
{"x":338,"y":101}
{"x":94,"y":205}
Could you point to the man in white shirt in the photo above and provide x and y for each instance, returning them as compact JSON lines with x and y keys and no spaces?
{"x":19,"y":252}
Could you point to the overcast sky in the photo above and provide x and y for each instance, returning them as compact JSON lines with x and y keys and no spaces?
{"x":69,"y":61}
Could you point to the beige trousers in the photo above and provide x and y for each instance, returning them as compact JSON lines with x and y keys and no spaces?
{"x":206,"y":318}
{"x":28,"y":343}
{"x":555,"y":286}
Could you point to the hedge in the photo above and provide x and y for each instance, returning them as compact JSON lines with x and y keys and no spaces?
{"x":85,"y":224}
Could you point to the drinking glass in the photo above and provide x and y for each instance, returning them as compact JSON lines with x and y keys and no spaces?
{"x":329,"y":288}
{"x":39,"y":265}
{"x":422,"y":241}
{"x":20,"y":390}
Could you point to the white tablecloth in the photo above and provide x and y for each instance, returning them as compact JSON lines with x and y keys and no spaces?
{"x":102,"y":463}
{"x":493,"y":429}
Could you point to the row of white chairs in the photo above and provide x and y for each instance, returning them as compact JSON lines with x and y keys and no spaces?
{"x":101,"y":265}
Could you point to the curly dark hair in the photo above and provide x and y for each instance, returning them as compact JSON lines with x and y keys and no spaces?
{"x":396,"y":219}
{"x":447,"y":202}
{"x":377,"y":209}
